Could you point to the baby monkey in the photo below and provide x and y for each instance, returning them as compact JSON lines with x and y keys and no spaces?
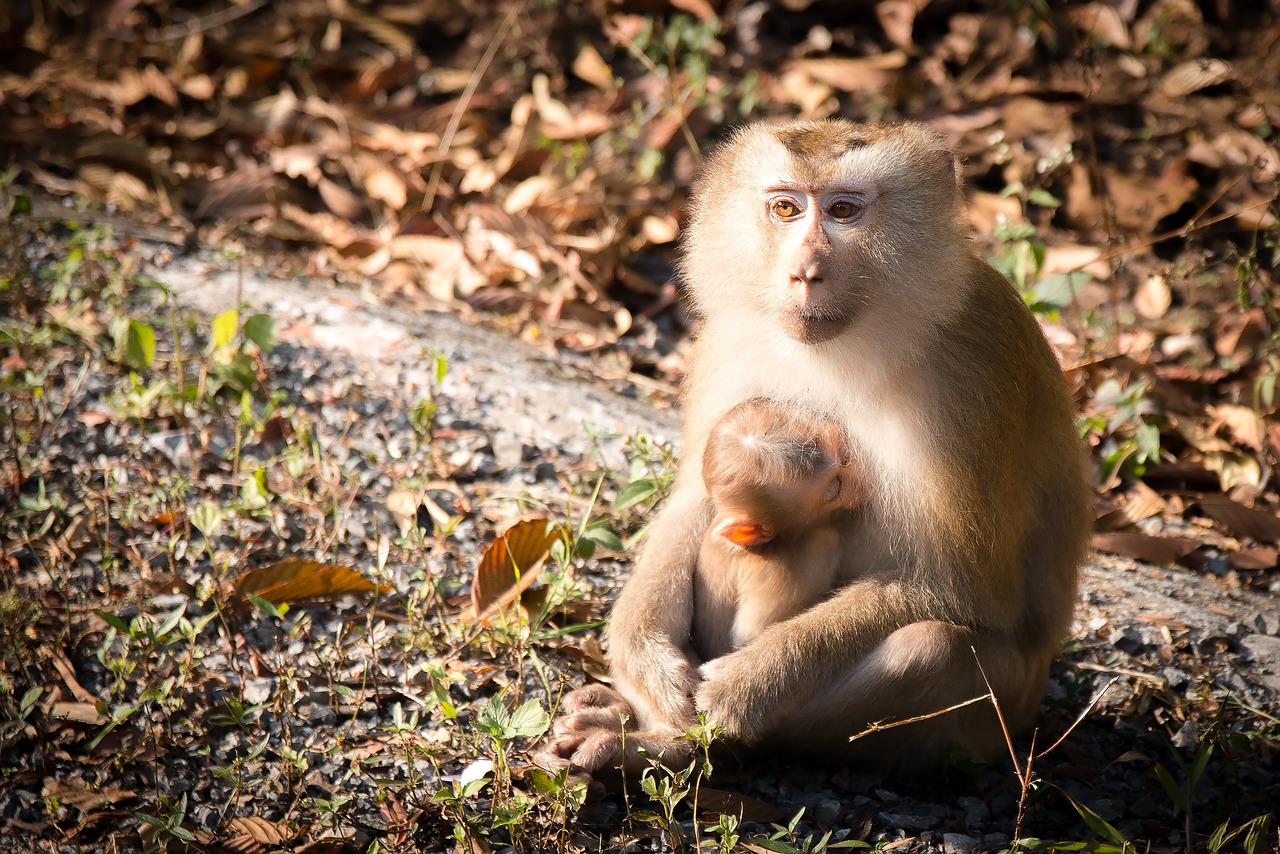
{"x":778,"y":479}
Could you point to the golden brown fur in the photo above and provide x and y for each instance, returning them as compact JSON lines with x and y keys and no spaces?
{"x":833,"y":273}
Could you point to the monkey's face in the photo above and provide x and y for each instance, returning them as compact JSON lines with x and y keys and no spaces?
{"x":813,"y":230}
{"x":821,"y":229}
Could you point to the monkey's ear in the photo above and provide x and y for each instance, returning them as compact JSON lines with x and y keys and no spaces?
{"x":744,"y":532}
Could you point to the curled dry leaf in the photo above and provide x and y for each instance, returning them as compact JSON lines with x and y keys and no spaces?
{"x":293,"y":579}
{"x":1240,"y":521}
{"x":1153,"y":297}
{"x":253,"y":835}
{"x":1160,"y":551}
{"x":1245,"y":424}
{"x":1194,"y":75}
{"x":854,"y":74}
{"x":510,"y":564}
{"x":591,"y":67}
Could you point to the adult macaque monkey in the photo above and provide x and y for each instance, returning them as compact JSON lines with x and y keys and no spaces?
{"x":834,"y":272}
{"x":780,"y":482}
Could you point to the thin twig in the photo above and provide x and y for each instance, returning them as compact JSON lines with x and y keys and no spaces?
{"x":208,"y":22}
{"x":879,"y":726}
{"x":464,"y":101}
{"x":1079,"y":720}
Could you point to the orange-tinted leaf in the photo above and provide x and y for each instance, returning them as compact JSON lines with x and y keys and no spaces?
{"x":293,"y":579}
{"x":510,"y":564}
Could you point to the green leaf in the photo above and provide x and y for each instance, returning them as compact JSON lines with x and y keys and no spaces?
{"x":261,"y":330}
{"x":602,"y":535}
{"x":1043,"y":198}
{"x":264,"y":605}
{"x":113,"y":621}
{"x":493,"y":719}
{"x":171,"y":621}
{"x":207,"y":517}
{"x":528,"y":721}
{"x":635,"y":492}
{"x":140,"y":345}
{"x":1100,"y":825}
{"x":442,"y":368}
{"x":224,"y":327}
{"x":20,"y":206}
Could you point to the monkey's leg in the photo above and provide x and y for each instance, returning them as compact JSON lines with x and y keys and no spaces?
{"x":918,"y":670}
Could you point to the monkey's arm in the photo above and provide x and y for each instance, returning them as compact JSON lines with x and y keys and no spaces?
{"x":748,"y":691}
{"x":650,"y":657}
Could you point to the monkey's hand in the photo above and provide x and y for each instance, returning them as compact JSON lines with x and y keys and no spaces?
{"x":733,"y":696}
{"x":650,"y":627}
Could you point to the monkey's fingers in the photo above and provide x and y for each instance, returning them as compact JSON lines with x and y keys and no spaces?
{"x":611,"y":719}
{"x":591,"y":697}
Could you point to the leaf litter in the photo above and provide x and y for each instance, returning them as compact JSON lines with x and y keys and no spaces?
{"x":529,"y":168}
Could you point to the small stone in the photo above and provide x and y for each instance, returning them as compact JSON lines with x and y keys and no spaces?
{"x":976,"y":811}
{"x":1110,"y":809}
{"x":904,"y":821}
{"x":827,"y":811}
{"x":958,"y":843}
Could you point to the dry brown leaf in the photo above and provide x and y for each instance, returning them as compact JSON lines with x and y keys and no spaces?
{"x":1152,"y":298}
{"x":512,"y":562}
{"x":528,"y":192}
{"x":82,"y":798}
{"x":987,"y":210}
{"x":854,"y":74}
{"x":1069,"y":258}
{"x":1140,"y":502}
{"x":80,"y":713}
{"x":387,"y":186}
{"x":1233,"y":469}
{"x":1101,"y":22}
{"x":719,"y":801}
{"x":700,"y":9}
{"x":897,"y":19}
{"x":591,"y":67}
{"x":1244,"y":422}
{"x":252,"y":835}
{"x":660,"y":229}
{"x":1240,"y":521}
{"x":339,"y":199}
{"x":1161,"y":551}
{"x":814,"y":99}
{"x":1255,"y":558}
{"x":1194,"y":75}
{"x":293,"y":579}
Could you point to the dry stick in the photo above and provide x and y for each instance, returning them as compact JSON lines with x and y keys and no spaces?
{"x":208,"y":22}
{"x":463,"y":100}
{"x":880,"y":726}
{"x":648,"y":63}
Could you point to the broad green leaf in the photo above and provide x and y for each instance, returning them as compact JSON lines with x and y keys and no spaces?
{"x":635,"y":492}
{"x":261,"y":330}
{"x":140,"y":345}
{"x":113,"y":621}
{"x":1043,"y":198}
{"x":528,"y":721}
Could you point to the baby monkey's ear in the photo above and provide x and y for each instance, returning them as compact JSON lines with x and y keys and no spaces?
{"x":744,"y":532}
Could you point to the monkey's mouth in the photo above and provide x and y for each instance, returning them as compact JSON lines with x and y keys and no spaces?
{"x":812,"y":328}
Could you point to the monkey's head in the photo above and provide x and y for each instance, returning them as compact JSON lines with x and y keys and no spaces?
{"x":819,"y":228}
{"x":773,"y":471}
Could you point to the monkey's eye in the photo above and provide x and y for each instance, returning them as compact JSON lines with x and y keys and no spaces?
{"x":784,"y":208}
{"x":844,"y":209}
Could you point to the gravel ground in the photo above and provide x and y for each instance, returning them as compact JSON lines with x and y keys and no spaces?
{"x":333,"y":702}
